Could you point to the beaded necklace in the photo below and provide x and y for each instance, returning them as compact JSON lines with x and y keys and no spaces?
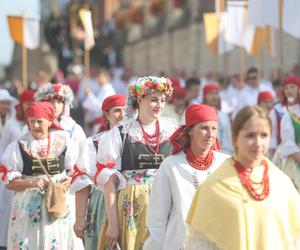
{"x":244,"y":175}
{"x":152,"y":139}
{"x":200,"y":163}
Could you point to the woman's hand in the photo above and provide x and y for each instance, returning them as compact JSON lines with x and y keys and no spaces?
{"x":79,"y":227}
{"x":112,"y":234}
{"x":41,"y":183}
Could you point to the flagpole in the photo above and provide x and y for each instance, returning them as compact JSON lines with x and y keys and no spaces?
{"x":87,"y":63}
{"x":281,"y":48}
{"x":242,"y":64}
{"x":24,"y":67}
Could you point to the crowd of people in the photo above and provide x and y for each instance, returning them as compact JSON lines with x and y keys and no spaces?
{"x":155,"y":162}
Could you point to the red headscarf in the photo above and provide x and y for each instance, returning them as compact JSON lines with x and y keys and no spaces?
{"x":178,"y":93}
{"x":113,"y":101}
{"x":41,"y":110}
{"x":264,"y":95}
{"x":210,"y":87}
{"x":194,"y":114}
{"x":292,"y":80}
{"x":108,"y":103}
{"x":26,"y":96}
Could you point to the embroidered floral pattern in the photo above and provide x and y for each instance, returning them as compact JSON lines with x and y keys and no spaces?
{"x":130,"y":211}
{"x":145,"y":176}
{"x":91,"y":222}
{"x":51,"y":244}
{"x":33,"y":208}
{"x":14,"y":213}
{"x":19,"y":244}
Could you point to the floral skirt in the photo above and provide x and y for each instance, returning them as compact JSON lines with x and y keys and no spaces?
{"x":95,"y":219}
{"x":32,"y":228}
{"x":6,"y":197}
{"x":132,"y":212}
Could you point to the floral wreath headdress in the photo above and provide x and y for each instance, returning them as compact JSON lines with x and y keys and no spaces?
{"x":57,"y":91}
{"x":145,"y":86}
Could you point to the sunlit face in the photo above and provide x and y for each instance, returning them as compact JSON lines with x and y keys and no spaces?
{"x":291,"y":92}
{"x":58,"y":107}
{"x":267,"y":105}
{"x":252,"y":141}
{"x":4,"y":107}
{"x":203,"y":135}
{"x":115,"y":115}
{"x":151,"y":106}
{"x":212,"y":98}
{"x":39,"y":127}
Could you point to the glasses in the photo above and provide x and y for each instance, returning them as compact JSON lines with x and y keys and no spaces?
{"x":252,"y":78}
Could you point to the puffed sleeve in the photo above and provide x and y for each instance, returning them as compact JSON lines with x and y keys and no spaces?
{"x":273,"y":141}
{"x":288,"y":138}
{"x":12,"y":163}
{"x":160,"y":205}
{"x":86,"y":166}
{"x":78,"y":134}
{"x":109,"y":153}
{"x":71,"y":156}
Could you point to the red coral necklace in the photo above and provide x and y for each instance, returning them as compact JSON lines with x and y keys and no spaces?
{"x":200,"y":163}
{"x":152,"y":139}
{"x":244,"y":175}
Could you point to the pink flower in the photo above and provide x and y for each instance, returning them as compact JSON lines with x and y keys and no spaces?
{"x":138,"y":177}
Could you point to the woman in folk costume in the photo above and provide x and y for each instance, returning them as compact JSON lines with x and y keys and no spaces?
{"x":129,"y":161}
{"x":290,"y":141}
{"x":265,"y":100}
{"x":248,"y":203}
{"x":61,"y":96}
{"x":14,"y":128}
{"x":211,"y":97}
{"x":180,"y":175}
{"x":290,"y":98}
{"x":90,"y":209}
{"x":31,"y":227}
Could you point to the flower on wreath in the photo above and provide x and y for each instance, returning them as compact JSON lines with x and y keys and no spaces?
{"x":57,"y":91}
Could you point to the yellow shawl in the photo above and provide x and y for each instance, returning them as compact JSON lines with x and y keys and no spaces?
{"x":224,"y":213}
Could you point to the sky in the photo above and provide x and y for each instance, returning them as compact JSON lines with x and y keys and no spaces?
{"x":12,"y":7}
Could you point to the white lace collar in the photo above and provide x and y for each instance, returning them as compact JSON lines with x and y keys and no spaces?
{"x":58,"y":142}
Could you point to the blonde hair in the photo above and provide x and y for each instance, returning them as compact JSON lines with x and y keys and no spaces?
{"x":244,"y":115}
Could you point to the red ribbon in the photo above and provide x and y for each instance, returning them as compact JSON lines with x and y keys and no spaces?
{"x":3,"y":170}
{"x":100,"y":167}
{"x":76,"y":173}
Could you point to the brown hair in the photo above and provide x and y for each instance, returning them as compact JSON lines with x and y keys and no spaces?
{"x":244,"y":115}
